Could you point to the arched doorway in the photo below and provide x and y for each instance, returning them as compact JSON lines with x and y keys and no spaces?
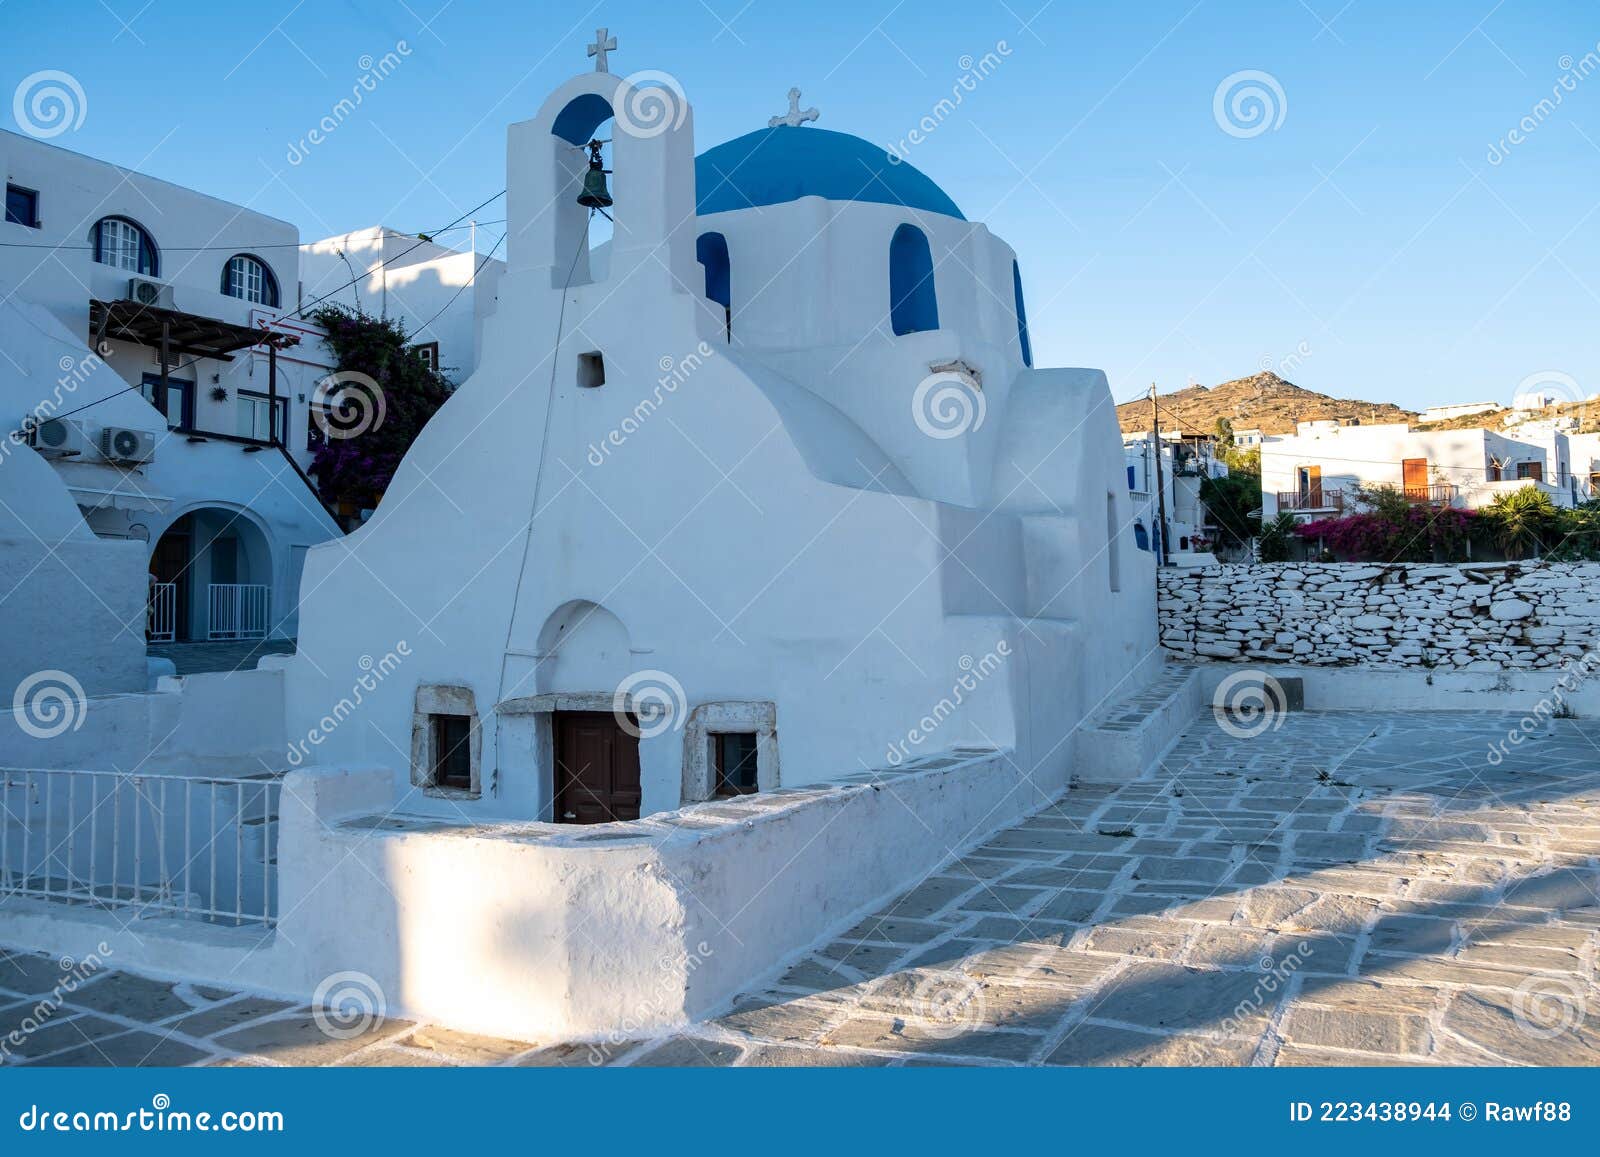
{"x":210,"y":579}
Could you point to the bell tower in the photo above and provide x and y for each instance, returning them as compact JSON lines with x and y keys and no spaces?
{"x":554,"y":183}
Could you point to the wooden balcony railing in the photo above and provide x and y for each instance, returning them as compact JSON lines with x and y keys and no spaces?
{"x":1317,"y":498}
{"x":1438,"y":494}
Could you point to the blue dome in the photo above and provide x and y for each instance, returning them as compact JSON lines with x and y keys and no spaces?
{"x":771,"y":166}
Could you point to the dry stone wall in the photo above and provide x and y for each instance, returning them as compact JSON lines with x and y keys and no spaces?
{"x":1473,"y":618}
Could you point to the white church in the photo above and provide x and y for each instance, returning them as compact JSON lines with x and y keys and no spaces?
{"x":756,"y":551}
{"x":784,"y":467}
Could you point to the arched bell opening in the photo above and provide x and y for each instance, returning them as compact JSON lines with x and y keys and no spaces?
{"x":584,"y":191}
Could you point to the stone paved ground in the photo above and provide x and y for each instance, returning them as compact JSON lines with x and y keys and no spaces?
{"x":1346,"y":889}
{"x":194,"y":658}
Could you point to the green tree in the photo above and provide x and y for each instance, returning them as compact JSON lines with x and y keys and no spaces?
{"x":1521,"y":520}
{"x":1273,"y":545}
{"x":1234,"y":502}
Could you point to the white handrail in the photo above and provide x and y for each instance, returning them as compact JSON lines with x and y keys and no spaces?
{"x":203,"y":847}
{"x":239,"y":610}
{"x":162,"y":624}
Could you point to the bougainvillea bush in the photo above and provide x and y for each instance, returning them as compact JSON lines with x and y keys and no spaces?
{"x":1417,"y":534}
{"x":356,"y":470}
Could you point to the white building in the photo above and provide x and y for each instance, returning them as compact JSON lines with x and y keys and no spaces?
{"x":1458,"y":410}
{"x":439,"y":294}
{"x":1316,"y":472}
{"x":103,"y":272}
{"x":1185,"y":463}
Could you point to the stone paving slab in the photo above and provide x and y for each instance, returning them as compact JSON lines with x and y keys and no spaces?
{"x":1338,"y":889}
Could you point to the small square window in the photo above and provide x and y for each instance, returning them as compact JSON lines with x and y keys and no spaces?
{"x":736,"y":763}
{"x":22,"y":206}
{"x":429,"y":353}
{"x":452,"y":751}
{"x":591,"y":370}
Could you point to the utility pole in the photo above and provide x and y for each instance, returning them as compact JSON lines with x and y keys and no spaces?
{"x":1161,"y":485}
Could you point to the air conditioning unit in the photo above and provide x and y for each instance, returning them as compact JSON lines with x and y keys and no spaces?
{"x":128,"y":447}
{"x":143,"y":291}
{"x":55,"y":437}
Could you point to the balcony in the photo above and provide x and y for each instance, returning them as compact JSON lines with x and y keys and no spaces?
{"x":1323,"y":500}
{"x":1436,"y":494}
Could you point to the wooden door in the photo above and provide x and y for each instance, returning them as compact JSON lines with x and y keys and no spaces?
{"x":1311,"y":485}
{"x":1414,"y":478}
{"x":597,"y":769}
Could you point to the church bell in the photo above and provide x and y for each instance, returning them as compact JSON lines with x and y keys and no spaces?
{"x":595,"y":195}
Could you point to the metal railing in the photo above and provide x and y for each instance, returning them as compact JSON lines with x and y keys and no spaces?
{"x":1316,"y":498}
{"x":162,"y":623}
{"x":238,"y":611}
{"x":205,"y":848}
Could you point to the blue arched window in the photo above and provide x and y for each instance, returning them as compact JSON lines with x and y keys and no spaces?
{"x":711,"y":250}
{"x":120,"y":242}
{"x":913,"y":305}
{"x":249,"y":279}
{"x":1022,"y":315}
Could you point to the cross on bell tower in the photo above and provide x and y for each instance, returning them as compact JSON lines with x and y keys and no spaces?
{"x":794,"y":117}
{"x":603,"y":43}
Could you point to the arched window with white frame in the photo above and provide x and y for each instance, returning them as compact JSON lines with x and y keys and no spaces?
{"x":120,"y":243}
{"x":249,"y":279}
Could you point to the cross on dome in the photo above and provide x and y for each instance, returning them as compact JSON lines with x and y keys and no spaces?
{"x":603,"y":43}
{"x":794,"y":117}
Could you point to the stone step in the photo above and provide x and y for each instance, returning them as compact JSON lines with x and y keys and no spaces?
{"x":1127,"y":738}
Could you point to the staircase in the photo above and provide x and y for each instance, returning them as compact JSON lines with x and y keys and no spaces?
{"x":1127,"y":738}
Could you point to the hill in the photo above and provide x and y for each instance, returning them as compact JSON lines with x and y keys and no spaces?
{"x":1262,"y":402}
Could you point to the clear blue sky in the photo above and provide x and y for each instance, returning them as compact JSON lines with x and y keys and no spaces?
{"x":1367,"y":239}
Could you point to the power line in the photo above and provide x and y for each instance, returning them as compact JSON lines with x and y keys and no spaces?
{"x":473,"y":281}
{"x":241,"y":246}
{"x":300,"y":310}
